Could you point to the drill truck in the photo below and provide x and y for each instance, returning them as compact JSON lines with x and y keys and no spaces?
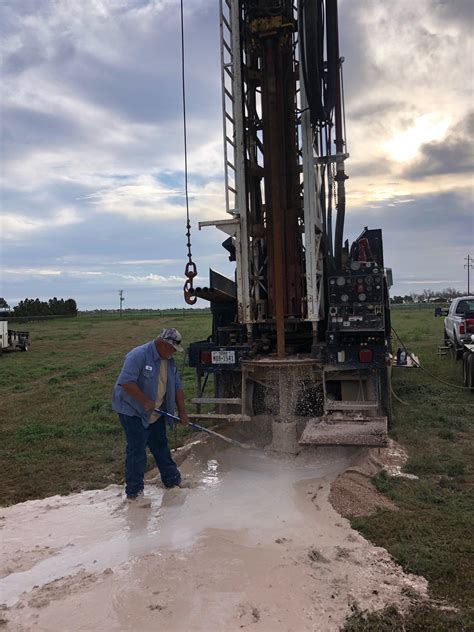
{"x":302,"y":332}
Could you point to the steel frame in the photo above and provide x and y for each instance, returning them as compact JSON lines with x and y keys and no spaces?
{"x":245,"y":163}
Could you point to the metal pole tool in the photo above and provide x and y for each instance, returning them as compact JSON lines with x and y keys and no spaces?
{"x":206,"y":430}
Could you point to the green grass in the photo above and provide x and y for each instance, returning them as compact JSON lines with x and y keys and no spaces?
{"x":432,"y":533}
{"x":59,"y":433}
{"x":419,"y":618}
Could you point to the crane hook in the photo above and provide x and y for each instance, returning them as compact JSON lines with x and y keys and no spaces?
{"x":190,"y":272}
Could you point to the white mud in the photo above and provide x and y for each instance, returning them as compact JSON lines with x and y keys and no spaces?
{"x":254,"y":543}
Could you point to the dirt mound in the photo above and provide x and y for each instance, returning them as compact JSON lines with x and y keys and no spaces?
{"x":353,"y":494}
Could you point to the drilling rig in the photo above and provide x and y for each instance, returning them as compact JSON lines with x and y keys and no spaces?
{"x":302,"y":333}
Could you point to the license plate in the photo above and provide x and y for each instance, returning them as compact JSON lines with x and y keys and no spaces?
{"x":223,"y":357}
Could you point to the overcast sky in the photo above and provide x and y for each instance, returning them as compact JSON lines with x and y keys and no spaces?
{"x":92,"y":150}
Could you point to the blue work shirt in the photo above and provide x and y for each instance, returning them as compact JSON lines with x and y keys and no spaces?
{"x":142,"y":367}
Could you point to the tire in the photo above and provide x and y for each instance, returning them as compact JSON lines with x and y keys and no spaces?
{"x":465,"y":358}
{"x":457,"y":348}
{"x":24,"y":348}
{"x":470,"y":371}
{"x":446,"y":337}
{"x":452,"y":351}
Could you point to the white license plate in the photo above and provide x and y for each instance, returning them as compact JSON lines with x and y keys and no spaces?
{"x":223,"y":357}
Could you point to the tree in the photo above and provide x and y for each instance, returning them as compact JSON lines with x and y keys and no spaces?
{"x":53,"y":307}
{"x":70,"y":307}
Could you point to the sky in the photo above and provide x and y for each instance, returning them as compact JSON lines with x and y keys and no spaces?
{"x":92,"y":191}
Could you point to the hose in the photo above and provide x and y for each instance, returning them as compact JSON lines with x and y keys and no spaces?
{"x":398,"y":398}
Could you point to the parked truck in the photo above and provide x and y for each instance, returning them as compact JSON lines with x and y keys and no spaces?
{"x":12,"y":340}
{"x":459,"y":325}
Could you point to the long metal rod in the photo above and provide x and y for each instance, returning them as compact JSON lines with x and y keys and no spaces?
{"x":206,"y":430}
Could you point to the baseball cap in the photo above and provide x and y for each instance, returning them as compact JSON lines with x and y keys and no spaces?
{"x":172,"y":337}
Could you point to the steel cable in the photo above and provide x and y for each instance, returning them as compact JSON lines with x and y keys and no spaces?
{"x":190,"y":270}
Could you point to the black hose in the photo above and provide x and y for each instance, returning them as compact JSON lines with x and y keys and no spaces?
{"x":311,"y":32}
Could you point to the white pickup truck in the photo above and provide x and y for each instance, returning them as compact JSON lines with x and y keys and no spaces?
{"x":459,"y":323}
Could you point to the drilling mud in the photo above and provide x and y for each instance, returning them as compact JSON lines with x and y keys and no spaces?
{"x":253,"y":543}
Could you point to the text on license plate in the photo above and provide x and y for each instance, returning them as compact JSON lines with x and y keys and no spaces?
{"x":223,"y":357}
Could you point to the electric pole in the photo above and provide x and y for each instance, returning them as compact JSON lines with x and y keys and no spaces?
{"x":468,"y":265}
{"x":121,"y":301}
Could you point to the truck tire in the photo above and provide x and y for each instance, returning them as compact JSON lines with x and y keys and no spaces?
{"x":24,"y":348}
{"x":470,"y":371}
{"x":453,"y":352}
{"x":457,"y":354}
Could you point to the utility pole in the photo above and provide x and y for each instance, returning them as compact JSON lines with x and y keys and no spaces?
{"x":121,"y":301}
{"x":468,"y":265}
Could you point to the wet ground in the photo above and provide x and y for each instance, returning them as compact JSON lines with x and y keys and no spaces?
{"x":253,"y":543}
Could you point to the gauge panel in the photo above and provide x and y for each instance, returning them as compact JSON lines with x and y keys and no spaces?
{"x":366,"y":288}
{"x":356,"y":302}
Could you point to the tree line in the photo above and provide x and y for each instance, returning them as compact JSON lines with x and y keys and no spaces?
{"x":35,"y":307}
{"x":428,"y":296}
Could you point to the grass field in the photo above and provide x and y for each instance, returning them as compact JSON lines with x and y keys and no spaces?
{"x":432,"y":533}
{"x":60,"y":435}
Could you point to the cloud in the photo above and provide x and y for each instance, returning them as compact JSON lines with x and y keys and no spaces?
{"x":405,"y":78}
{"x":15,"y":226}
{"x":111,"y":103}
{"x":154,"y":279}
{"x":145,"y":197}
{"x":92,"y":145}
{"x":460,"y":12}
{"x":426,"y":282}
{"x":140,"y":262}
{"x":454,"y":154}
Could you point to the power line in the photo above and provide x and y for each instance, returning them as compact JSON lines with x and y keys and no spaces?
{"x":121,"y":298}
{"x":468,"y":265}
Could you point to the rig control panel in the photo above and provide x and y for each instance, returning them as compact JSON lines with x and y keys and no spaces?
{"x":356,"y":316}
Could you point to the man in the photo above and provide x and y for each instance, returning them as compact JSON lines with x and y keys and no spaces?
{"x":149,"y":379}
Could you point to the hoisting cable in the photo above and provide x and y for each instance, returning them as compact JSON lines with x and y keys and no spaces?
{"x":190,"y":271}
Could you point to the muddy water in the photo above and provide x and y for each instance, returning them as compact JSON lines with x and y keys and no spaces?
{"x":254,"y":541}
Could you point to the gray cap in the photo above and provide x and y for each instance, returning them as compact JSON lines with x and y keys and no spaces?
{"x":172,"y":337}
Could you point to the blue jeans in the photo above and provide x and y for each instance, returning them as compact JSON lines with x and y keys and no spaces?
{"x":138,"y":438}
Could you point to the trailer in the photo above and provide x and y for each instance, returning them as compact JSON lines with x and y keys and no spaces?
{"x":11,"y":340}
{"x":301,"y":334}
{"x":468,"y":364}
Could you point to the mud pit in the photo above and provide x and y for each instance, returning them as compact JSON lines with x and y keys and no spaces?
{"x":254,"y":544}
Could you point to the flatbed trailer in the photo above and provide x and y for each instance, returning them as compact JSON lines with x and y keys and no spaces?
{"x":468,"y":364}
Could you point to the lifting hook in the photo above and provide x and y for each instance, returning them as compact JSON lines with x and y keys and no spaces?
{"x":190,"y":272}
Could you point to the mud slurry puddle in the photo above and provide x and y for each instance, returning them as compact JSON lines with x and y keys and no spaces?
{"x":253,"y":543}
